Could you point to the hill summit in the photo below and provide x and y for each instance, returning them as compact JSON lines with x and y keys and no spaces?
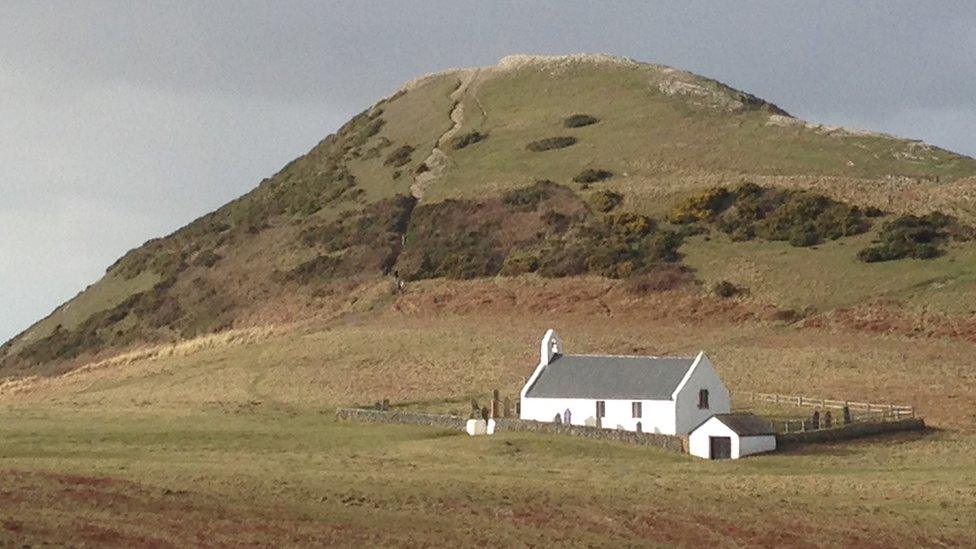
{"x":540,"y":166}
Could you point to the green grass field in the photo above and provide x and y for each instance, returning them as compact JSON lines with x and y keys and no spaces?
{"x":287,"y":475}
{"x":236,"y":443}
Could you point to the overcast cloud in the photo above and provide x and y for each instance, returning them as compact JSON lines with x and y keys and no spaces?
{"x":124,"y":121}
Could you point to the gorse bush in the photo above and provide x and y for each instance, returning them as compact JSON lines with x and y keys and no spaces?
{"x":379,"y":223}
{"x":543,"y":228}
{"x":918,"y":237}
{"x":592,"y":176}
{"x":551,"y":143}
{"x":580,"y":120}
{"x":702,"y":207}
{"x":604,"y":201}
{"x":749,"y":211}
{"x":725,"y":289}
{"x":520,"y":262}
{"x":615,"y":246}
{"x":469,"y":138}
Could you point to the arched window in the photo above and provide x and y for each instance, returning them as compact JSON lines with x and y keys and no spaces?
{"x":703,"y":399}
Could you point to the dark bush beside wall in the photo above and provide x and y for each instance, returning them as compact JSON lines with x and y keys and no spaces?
{"x":551,"y":143}
{"x":469,"y":138}
{"x":399,"y":156}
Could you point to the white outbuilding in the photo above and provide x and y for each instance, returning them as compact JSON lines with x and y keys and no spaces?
{"x":665,"y":395}
{"x":731,"y":436}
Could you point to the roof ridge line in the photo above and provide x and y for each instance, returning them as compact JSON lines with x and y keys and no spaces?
{"x":632,"y":356}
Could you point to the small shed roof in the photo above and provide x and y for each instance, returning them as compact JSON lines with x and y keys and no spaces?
{"x":745,"y":425}
{"x":610,"y":377}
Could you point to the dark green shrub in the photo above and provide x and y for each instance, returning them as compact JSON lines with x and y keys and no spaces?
{"x":803,"y":236}
{"x":725,"y":289}
{"x":592,"y":176}
{"x":580,"y":120}
{"x":604,"y":201}
{"x":918,"y":237}
{"x":379,"y":223}
{"x":469,"y":138}
{"x":528,"y":198}
{"x":562,"y":260}
{"x":551,"y":143}
{"x":703,"y":207}
{"x":748,"y":211}
{"x":399,"y":156}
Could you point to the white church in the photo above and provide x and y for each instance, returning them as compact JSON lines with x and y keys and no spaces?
{"x":663,"y":395}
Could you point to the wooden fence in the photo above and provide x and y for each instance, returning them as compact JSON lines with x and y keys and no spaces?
{"x":858,"y":412}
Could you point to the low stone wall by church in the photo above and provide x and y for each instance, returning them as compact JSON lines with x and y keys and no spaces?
{"x":365,"y":415}
{"x":670,"y":442}
{"x":854,"y":430}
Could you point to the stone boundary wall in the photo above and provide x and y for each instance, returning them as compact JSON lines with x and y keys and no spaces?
{"x":854,"y":430}
{"x":442,"y":421}
{"x":669,"y":442}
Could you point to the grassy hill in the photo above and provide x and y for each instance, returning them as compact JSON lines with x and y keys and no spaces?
{"x":188,"y":397}
{"x":542,"y":167}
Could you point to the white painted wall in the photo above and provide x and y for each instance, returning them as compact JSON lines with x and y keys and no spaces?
{"x":698,"y":441}
{"x":700,"y":445}
{"x":657,"y":415}
{"x":701,"y":376}
{"x":756,"y":444}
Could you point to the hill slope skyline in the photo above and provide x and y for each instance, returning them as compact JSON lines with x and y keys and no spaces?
{"x":539,"y":164}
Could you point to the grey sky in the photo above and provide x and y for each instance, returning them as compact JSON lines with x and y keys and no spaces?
{"x":124,"y":121}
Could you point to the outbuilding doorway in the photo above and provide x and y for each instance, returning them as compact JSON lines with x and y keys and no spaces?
{"x":720,"y":447}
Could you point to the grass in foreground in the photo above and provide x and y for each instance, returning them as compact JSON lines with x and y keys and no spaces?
{"x":245,"y":474}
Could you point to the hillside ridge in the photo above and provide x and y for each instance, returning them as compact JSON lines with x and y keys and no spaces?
{"x":551,"y":166}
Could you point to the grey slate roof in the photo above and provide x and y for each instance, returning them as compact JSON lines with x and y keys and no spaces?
{"x":745,"y":425}
{"x":610,"y":377}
